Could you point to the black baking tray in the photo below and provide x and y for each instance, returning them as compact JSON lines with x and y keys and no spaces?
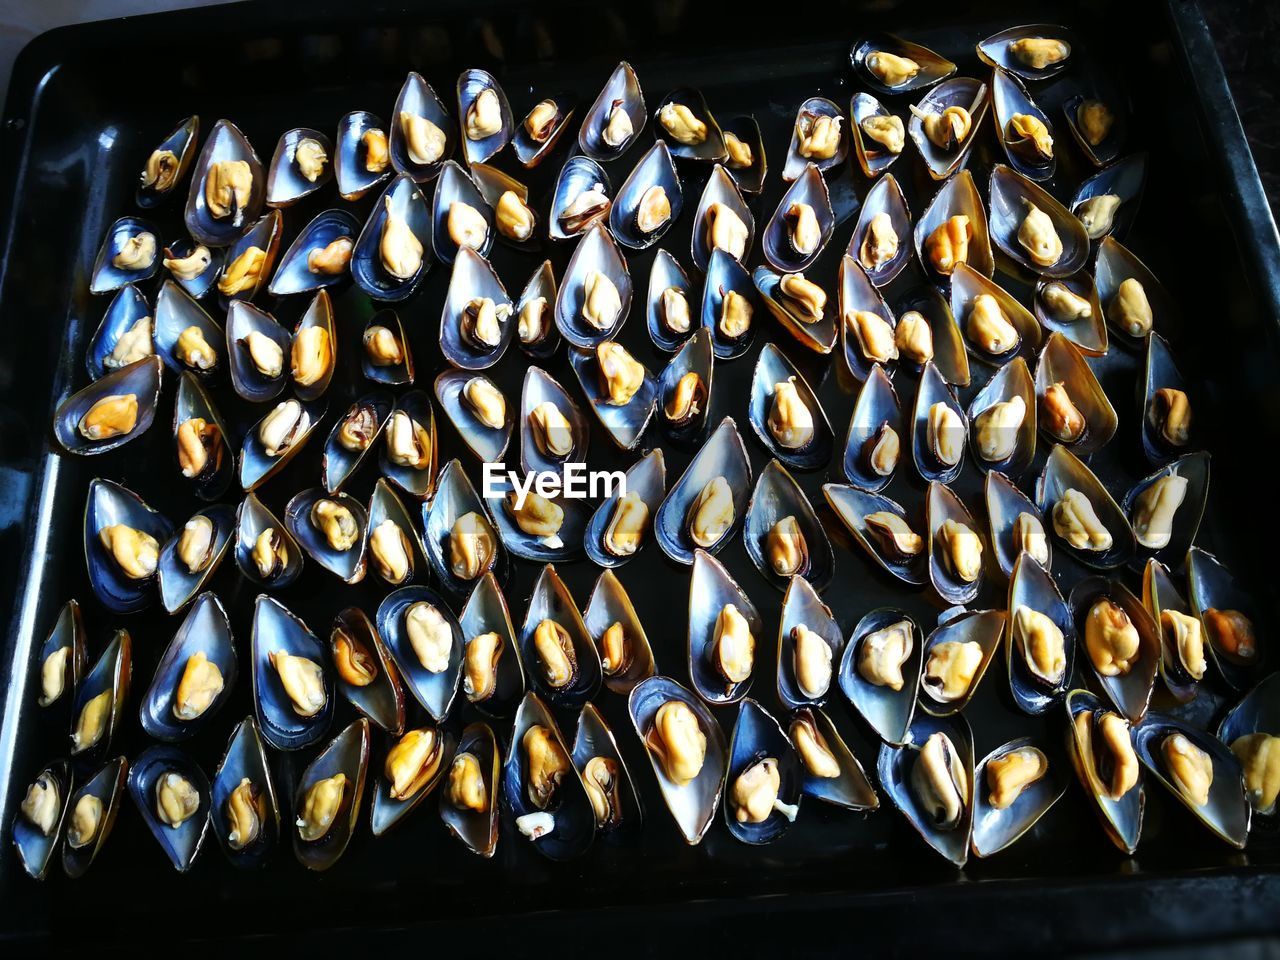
{"x":86,"y":105}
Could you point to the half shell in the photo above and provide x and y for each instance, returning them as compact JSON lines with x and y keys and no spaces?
{"x":722,"y":455}
{"x":205,"y":630}
{"x":182,"y":843}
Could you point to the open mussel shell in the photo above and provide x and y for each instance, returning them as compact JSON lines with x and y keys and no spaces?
{"x":489,"y":444}
{"x":801,"y":606}
{"x":1211,"y":586}
{"x":225,"y":143}
{"x":1099,"y":89}
{"x":773,"y":368}
{"x":573,"y":819}
{"x":1227,"y":813}
{"x":252,"y":518}
{"x":346,"y":754}
{"x":111,"y":673}
{"x":367,"y":267}
{"x":949,"y":353}
{"x":966,"y":286}
{"x":933,"y":67}
{"x":818,"y":335}
{"x":205,"y":630}
{"x":884,"y":197}
{"x":454,"y":498}
{"x":1124,"y":179}
{"x":711,"y":589}
{"x":394,"y":374}
{"x":175,"y":312}
{"x":720,"y":188}
{"x":35,"y":848}
{"x":1161,"y":371}
{"x":995,"y":49}
{"x":493,"y":184}
{"x":779,"y":248}
{"x":338,"y":463}
{"x":1116,"y":264}
{"x":386,"y":811}
{"x":1088,"y":332}
{"x":67,"y":632}
{"x":108,"y":786}
{"x":933,"y":389}
{"x":107,"y":276}
{"x":1032,"y":586}
{"x":473,"y":278}
{"x":610,"y":604}
{"x":1061,"y":362}
{"x":1257,"y":712}
{"x":486,"y":612}
{"x":294,"y":275}
{"x":726,"y":274}
{"x":579,"y":175}
{"x":850,"y":788}
{"x":531,"y":152}
{"x":1064,"y":471}
{"x":182,"y":843}
{"x":692,"y":805}
{"x":964,"y":92}
{"x":995,"y":829}
{"x":417,"y":98}
{"x":722,"y":455}
{"x":263,"y":234}
{"x":471,"y":85}
{"x":654,"y":169}
{"x":416,"y":482}
{"x":696,"y":355}
{"x":1160,"y":593}
{"x":564,"y":544}
{"x":795,"y":164}
{"x":245,"y":759}
{"x":1011,"y":380}
{"x":193,"y":402}
{"x":384,"y":505}
{"x":181,"y":142}
{"x":757,"y":737}
{"x":983,"y":627}
{"x":853,"y":506}
{"x":1009,"y":98}
{"x":110,"y":504}
{"x":1005,"y":503}
{"x":596,"y":253}
{"x":478,"y":829}
{"x":958,"y":197}
{"x":198,"y":285}
{"x":141,"y":378}
{"x":1194,"y":469}
{"x":647,"y":477}
{"x":276,"y":629}
{"x":1121,"y":819}
{"x":382,"y":699}
{"x":250,"y":383}
{"x":127,"y":307}
{"x":595,"y":739}
{"x":711,"y":149}
{"x":539,"y":387}
{"x":873,"y":157}
{"x":896,"y":765}
{"x":666,"y":273}
{"x":1012,"y":196}
{"x":777,"y":496}
{"x":876,"y":406}
{"x":178,"y":584}
{"x":622,"y":88}
{"x":348,"y":565}
{"x":354,"y":178}
{"x":551,"y":600}
{"x":625,"y":424}
{"x":941,"y":505}
{"x":750,"y":179}
{"x":1130,"y":691}
{"x":541,"y":285}
{"x":286,"y":184}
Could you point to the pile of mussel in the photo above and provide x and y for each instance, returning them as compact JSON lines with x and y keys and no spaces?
{"x":499,"y":710}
